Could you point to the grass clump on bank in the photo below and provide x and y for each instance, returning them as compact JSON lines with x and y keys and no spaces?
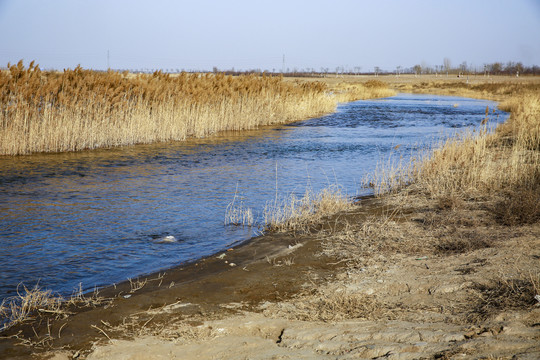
{"x":299,"y":214}
{"x":522,"y":291}
{"x":22,"y":307}
{"x":36,"y":302}
{"x":500,"y":165}
{"x":48,"y":111}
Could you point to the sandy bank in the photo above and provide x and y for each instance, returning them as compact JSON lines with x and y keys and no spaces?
{"x":286,"y":298}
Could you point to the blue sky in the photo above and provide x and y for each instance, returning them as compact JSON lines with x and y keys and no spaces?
{"x":198,"y":35}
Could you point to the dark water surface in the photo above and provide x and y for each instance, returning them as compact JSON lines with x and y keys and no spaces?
{"x":99,"y":217}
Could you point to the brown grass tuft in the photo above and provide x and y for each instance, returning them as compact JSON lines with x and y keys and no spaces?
{"x":338,"y":304}
{"x":28,"y":304}
{"x":462,"y":242}
{"x":300,"y":214}
{"x":504,"y":294}
{"x":520,"y":205}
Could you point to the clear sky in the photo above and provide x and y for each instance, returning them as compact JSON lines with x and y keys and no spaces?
{"x":249,"y":34}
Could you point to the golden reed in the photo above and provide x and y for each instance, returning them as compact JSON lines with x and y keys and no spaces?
{"x":47,"y":111}
{"x":478,"y":164}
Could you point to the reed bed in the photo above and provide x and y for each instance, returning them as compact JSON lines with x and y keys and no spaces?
{"x":501,"y":166}
{"x":346,"y":92}
{"x":482,"y":163}
{"x":47,"y":111}
{"x":82,"y":109}
{"x":498,"y":88}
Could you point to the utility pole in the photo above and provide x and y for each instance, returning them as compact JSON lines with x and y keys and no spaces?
{"x":108,"y":66}
{"x":283,"y":65}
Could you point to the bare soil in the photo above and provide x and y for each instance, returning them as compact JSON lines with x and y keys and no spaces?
{"x":397,"y":277}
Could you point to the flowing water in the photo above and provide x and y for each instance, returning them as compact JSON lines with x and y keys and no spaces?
{"x":99,"y":217}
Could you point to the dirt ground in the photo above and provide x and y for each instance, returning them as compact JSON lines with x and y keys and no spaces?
{"x":397,"y":278}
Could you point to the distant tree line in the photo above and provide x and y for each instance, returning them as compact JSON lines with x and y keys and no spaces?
{"x":446,"y":68}
{"x":510,"y":68}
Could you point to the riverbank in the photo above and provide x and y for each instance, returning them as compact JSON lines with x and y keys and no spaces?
{"x":426,"y":271}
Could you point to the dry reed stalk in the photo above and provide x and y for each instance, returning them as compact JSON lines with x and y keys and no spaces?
{"x":25,"y":305}
{"x":298,"y":214}
{"x":32,"y":303}
{"x":237,"y":213}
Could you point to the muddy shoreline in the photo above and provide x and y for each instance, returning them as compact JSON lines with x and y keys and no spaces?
{"x":248,"y":274}
{"x":285,"y":296}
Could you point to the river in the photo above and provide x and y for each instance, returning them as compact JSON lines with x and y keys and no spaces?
{"x":99,"y":217}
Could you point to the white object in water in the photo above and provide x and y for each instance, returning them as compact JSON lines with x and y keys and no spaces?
{"x":168,"y":239}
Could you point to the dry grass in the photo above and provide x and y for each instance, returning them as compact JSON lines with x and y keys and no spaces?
{"x":79,"y":300}
{"x":237,"y":213}
{"x":300,"y":214}
{"x":357,"y":243}
{"x":336,"y":306}
{"x":30,"y":304}
{"x":137,"y":284}
{"x":80,"y":109}
{"x":504,"y":293}
{"x":329,"y":304}
{"x":462,"y":242}
{"x":346,"y":91}
{"x":482,"y":164}
{"x":495,"y":88}
{"x":520,"y":205}
{"x":390,"y":176}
